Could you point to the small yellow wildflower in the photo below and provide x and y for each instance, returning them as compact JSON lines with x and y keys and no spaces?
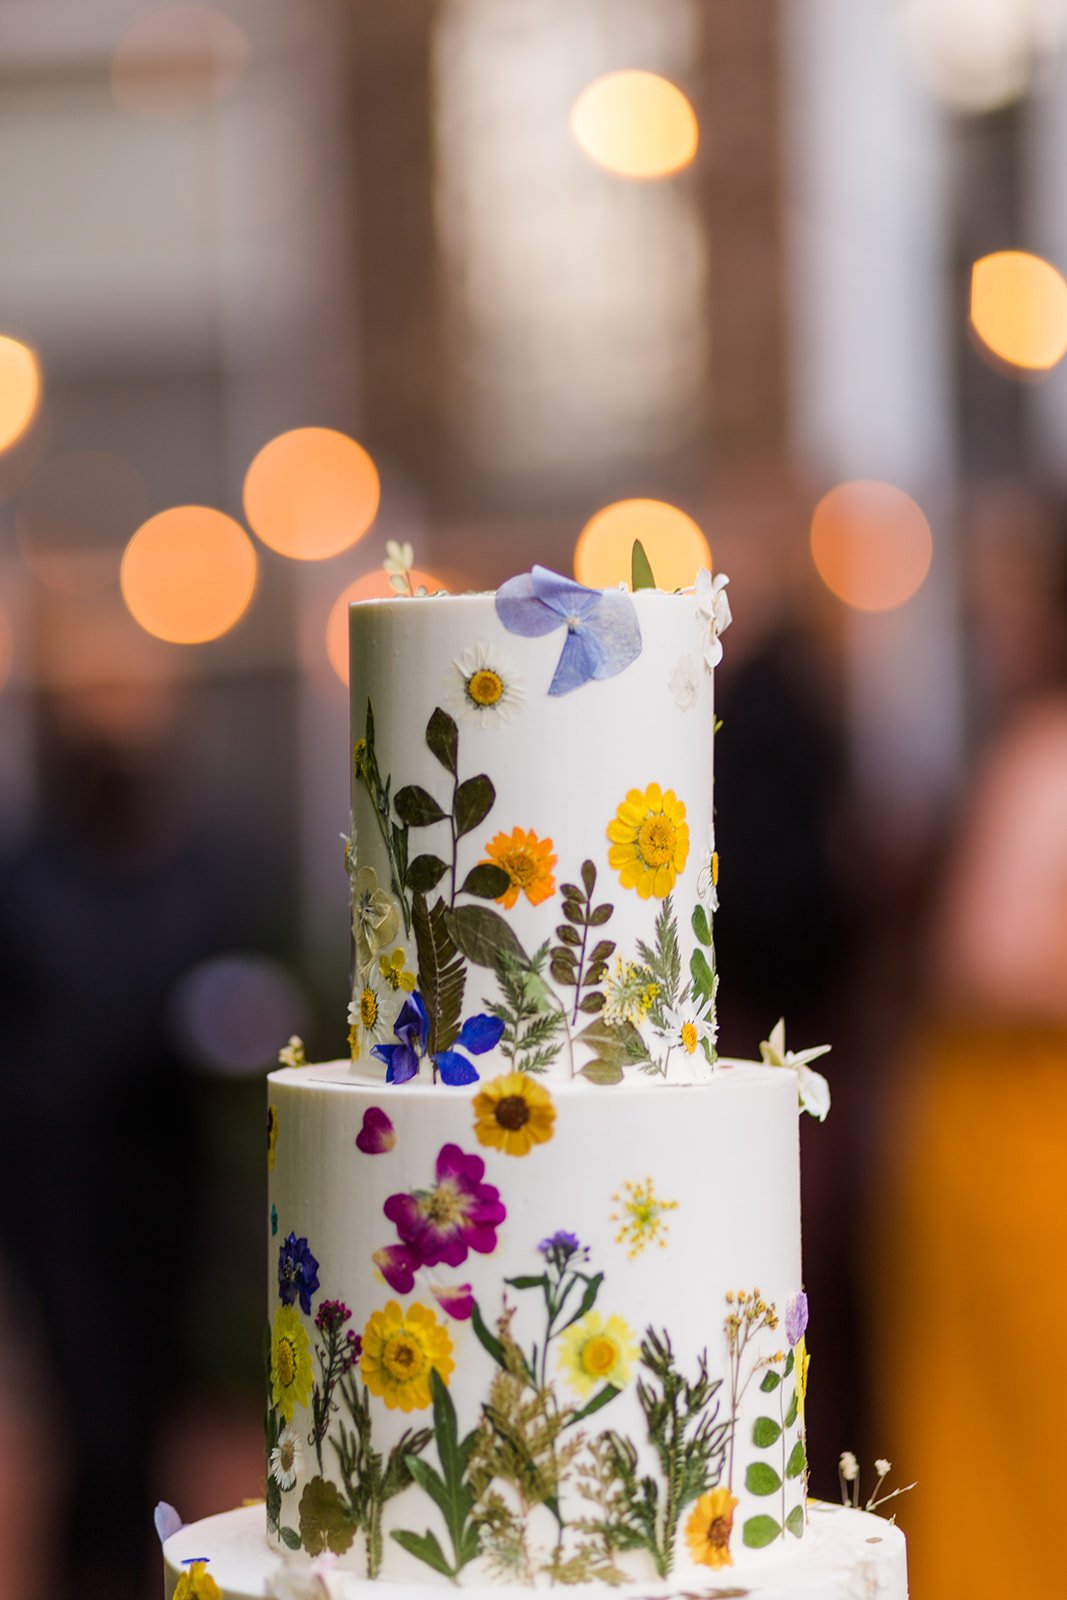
{"x":593,"y":1352}
{"x":400,"y":1350}
{"x":196,"y":1583}
{"x":649,"y":841}
{"x":393,"y":970}
{"x":641,"y":1216}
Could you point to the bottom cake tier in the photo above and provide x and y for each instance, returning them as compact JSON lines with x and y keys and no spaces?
{"x":847,"y":1555}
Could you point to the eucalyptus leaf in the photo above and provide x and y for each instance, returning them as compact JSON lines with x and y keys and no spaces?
{"x":442,"y":736}
{"x":765,"y":1432}
{"x":474,"y":801}
{"x":759,"y":1532}
{"x":417,"y":808}
{"x":761,"y":1478}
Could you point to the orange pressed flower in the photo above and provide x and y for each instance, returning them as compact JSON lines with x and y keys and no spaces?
{"x":528,"y":862}
{"x":707,"y":1533}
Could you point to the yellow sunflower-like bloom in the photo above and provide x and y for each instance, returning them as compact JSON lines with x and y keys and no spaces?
{"x":196,"y":1583}
{"x":528,"y":862}
{"x":292,"y":1372}
{"x":593,"y":1352}
{"x":512,"y":1113}
{"x":400,"y":1350}
{"x":649,"y":841}
{"x":394,"y":970}
{"x":707,"y":1533}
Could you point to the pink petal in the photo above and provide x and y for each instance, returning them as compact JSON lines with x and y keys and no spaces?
{"x":377,"y":1134}
{"x":457,"y":1300}
{"x":397,"y":1266}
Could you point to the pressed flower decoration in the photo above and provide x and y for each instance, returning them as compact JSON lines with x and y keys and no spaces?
{"x":649,"y":841}
{"x":848,"y":1472}
{"x":603,"y":633}
{"x":713,"y":608}
{"x":375,"y":918}
{"x":595,"y":1351}
{"x":682,"y":682}
{"x":293,"y":1054}
{"x":641,"y":1216}
{"x":393,"y":970}
{"x":291,"y":1370}
{"x":707,"y":1533}
{"x":298,"y":1273}
{"x":377,"y":1136}
{"x":400,"y":1351}
{"x":813,"y":1091}
{"x":477,"y":1035}
{"x":528,"y":862}
{"x":513,"y":1113}
{"x":442,"y":1224}
{"x":287,"y":1458}
{"x":398,"y":563}
{"x":366,"y":1019}
{"x":196,"y":1583}
{"x":486,"y":686}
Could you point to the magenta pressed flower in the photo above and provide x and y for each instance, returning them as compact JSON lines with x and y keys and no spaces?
{"x":330,"y":1315}
{"x":459,"y":1214}
{"x":398,"y":1266}
{"x":377,"y":1135}
{"x":456,"y":1300}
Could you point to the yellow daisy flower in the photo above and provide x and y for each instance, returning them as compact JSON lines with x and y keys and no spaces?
{"x":393,"y":970}
{"x":528,"y":862}
{"x":272,"y":1135}
{"x":512,"y":1113}
{"x":593,"y":1352}
{"x":291,"y":1370}
{"x":196,"y":1583}
{"x":400,"y":1350}
{"x":649,"y":841}
{"x":711,"y":1522}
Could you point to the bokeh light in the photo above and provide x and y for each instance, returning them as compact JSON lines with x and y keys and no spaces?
{"x":311,"y":493}
{"x":371,"y":586}
{"x":1019,"y":309}
{"x":636,"y":124}
{"x":871,"y":544}
{"x":675,"y":546}
{"x":232,"y":1012}
{"x":20,"y":389}
{"x":188,"y":574}
{"x":74,"y":518}
{"x":176,"y":61}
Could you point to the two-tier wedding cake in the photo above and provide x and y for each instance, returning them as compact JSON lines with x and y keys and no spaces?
{"x":536,"y":1305}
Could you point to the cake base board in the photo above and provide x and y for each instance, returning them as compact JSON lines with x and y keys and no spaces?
{"x":844,"y":1555}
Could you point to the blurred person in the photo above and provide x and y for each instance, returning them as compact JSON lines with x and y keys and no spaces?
{"x":968,"y":1293}
{"x":100,"y":908}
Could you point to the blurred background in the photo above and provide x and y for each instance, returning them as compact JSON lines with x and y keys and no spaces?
{"x":774,"y":283}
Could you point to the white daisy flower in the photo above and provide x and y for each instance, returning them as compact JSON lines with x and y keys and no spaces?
{"x":287,"y":1458}
{"x":714,"y":607}
{"x":690,"y":1023}
{"x":371,"y":1014}
{"x":682,"y":682}
{"x":485,"y":685}
{"x":708,"y":873}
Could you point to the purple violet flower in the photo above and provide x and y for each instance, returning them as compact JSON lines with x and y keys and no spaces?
{"x":477,"y":1035}
{"x":298,"y":1273}
{"x":796,"y":1318}
{"x":459,"y":1214}
{"x":561,"y":1241}
{"x":411,"y":1028}
{"x":603,"y":633}
{"x":377,"y":1135}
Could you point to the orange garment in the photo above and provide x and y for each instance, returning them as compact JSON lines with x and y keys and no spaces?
{"x":968,"y":1294}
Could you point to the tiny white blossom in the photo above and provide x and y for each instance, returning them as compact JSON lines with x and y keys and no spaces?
{"x":883,"y":1467}
{"x":714,"y":607}
{"x":682,"y":682}
{"x":292,"y":1054}
{"x":287,"y":1458}
{"x":812,"y":1088}
{"x":848,"y":1466}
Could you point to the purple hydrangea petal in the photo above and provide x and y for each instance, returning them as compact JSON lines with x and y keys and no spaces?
{"x":563,"y":596}
{"x":377,"y":1135}
{"x":397,"y":1266}
{"x":456,"y":1300}
{"x":796,"y":1317}
{"x":481,"y":1033}
{"x":167,"y":1520}
{"x":618,"y":632}
{"x":520,"y":610}
{"x":580,"y":659}
{"x":455,"y":1069}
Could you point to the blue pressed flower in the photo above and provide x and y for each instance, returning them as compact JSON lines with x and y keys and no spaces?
{"x":481,"y":1033}
{"x":603,"y":634}
{"x":455,"y":1069}
{"x":298,"y":1273}
{"x":411,"y":1028}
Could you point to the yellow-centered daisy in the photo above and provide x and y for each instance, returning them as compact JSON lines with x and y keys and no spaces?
{"x":649,"y":841}
{"x":400,"y":1350}
{"x":485,"y":685}
{"x":595,"y":1351}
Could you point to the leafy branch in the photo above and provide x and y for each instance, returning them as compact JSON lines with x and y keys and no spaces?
{"x":394,"y":838}
{"x":532,"y":1016}
{"x":471,"y":802}
{"x":449,"y":1490}
{"x":369,"y":1480}
{"x":573,"y":963}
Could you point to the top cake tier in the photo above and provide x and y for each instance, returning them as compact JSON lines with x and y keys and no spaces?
{"x":532,"y":851}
